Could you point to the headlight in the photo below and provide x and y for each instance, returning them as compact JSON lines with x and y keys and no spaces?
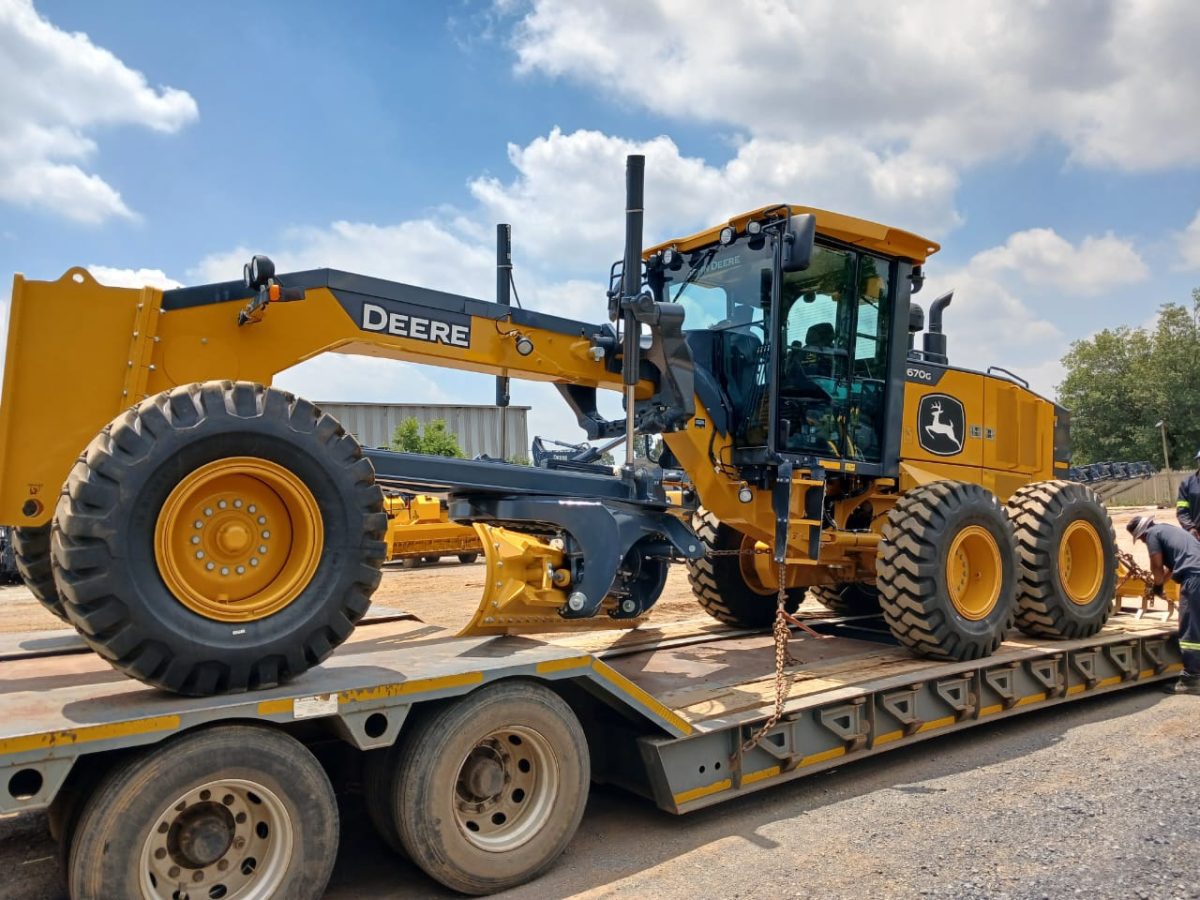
{"x":727,"y":235}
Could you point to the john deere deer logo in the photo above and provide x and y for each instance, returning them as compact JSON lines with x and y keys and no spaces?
{"x":941,"y":424}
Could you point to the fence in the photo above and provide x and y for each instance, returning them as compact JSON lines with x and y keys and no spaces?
{"x":1159,"y":489}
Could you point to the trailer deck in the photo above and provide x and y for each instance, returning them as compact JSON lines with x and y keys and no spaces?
{"x":676,"y":702}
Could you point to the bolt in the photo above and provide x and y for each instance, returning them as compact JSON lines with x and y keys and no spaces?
{"x":577,"y":601}
{"x":262,"y":550}
{"x":254,"y":561}
{"x":241,"y":570}
{"x":210,"y":566}
{"x":251,"y":509}
{"x":199,"y":524}
{"x":237,"y":504}
{"x":262,"y":520}
{"x":135,"y":334}
{"x":221,"y":504}
{"x":195,"y":538}
{"x":152,"y":367}
{"x":208,"y":511}
{"x":199,"y":554}
{"x":173,"y":872}
{"x":224,"y":570}
{"x":266,"y":535}
{"x":628,"y":606}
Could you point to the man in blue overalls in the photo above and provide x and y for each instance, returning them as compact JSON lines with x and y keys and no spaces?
{"x":1174,"y":553}
{"x":1187,"y":507}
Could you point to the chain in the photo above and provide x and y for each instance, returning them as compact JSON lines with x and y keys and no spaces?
{"x":782,"y":660}
{"x":1134,"y":571}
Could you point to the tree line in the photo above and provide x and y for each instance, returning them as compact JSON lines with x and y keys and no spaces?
{"x":1122,"y":382}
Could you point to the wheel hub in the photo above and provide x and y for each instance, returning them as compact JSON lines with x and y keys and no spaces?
{"x":201,"y":835}
{"x":1081,"y":562}
{"x":238,"y":539}
{"x":974,"y":572}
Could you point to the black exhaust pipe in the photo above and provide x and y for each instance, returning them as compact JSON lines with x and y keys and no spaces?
{"x":935,"y":340}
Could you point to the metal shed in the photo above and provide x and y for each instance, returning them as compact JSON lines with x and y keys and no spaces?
{"x":493,"y":430}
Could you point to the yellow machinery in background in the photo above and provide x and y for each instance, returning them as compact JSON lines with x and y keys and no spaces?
{"x":207,"y":532}
{"x":420,"y":531}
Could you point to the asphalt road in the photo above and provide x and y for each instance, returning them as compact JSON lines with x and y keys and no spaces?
{"x":1098,"y":798}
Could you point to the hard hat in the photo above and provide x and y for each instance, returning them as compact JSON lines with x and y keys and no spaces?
{"x":1139,"y":525}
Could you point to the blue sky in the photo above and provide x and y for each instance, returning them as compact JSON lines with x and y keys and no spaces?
{"x":1053,"y":149}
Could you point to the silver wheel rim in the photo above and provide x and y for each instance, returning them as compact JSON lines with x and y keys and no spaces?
{"x":222,"y":840}
{"x":506,"y":788}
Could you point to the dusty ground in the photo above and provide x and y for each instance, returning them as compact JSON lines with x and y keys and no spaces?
{"x":1097,"y":798}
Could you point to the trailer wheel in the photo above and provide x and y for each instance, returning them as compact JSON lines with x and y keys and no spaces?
{"x":1066,"y":559}
{"x":490,"y":789}
{"x":467,"y":558}
{"x":31,"y":551}
{"x":219,"y":537}
{"x":430,"y":560}
{"x":232,"y":811}
{"x":848,"y":598}
{"x":946,"y":571}
{"x":726,"y":586}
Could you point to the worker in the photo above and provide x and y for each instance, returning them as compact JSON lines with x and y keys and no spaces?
{"x":1187,"y":507}
{"x":1175,"y":553}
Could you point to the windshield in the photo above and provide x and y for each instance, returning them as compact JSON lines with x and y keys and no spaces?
{"x":723,"y":287}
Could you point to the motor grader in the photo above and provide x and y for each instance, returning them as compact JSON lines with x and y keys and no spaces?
{"x":420,"y":532}
{"x":206,"y":532}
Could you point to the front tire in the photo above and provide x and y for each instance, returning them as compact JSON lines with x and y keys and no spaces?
{"x":946,"y":571}
{"x":848,"y":598}
{"x":490,"y":789}
{"x":1066,"y":555}
{"x":219,"y":537}
{"x":723,"y":585}
{"x":235,"y":810}
{"x":31,"y":552}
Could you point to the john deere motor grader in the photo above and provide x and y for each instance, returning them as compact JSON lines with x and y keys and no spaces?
{"x":206,"y":532}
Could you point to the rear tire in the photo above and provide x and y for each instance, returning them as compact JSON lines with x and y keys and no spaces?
{"x":946,"y":571}
{"x":1066,"y":559}
{"x":268,"y":801}
{"x":31,"y":549}
{"x":111,"y":525}
{"x":467,"y":558}
{"x":490,"y":788}
{"x":719,"y":582}
{"x":848,"y":599}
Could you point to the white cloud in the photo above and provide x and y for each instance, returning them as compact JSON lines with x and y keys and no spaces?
{"x":943,"y":81}
{"x":1189,"y":245}
{"x":58,"y":87}
{"x":133,"y":278}
{"x":1042,"y":257}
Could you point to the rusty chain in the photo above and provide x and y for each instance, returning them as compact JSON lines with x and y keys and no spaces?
{"x":1134,"y":571}
{"x":782,"y":660}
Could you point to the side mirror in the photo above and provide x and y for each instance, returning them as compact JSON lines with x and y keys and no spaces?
{"x":798,"y":243}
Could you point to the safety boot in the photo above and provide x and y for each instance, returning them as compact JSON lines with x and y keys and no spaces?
{"x":1188,"y":683}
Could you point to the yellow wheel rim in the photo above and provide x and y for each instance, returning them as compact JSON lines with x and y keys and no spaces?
{"x":1081,"y":562}
{"x":238,"y":539}
{"x":974,"y":572}
{"x":757,"y":568}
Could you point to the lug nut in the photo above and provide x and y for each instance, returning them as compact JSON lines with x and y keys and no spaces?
{"x":577,"y":601}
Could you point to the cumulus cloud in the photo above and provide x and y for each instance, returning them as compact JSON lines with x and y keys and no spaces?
{"x":58,"y":88}
{"x":945,"y":81}
{"x":1189,"y":245}
{"x":133,"y":278}
{"x":1042,"y":257}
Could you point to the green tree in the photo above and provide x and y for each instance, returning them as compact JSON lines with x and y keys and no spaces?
{"x":1122,"y":381}
{"x":435,"y":440}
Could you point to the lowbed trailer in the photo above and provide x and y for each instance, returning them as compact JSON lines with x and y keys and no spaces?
{"x":476,"y":752}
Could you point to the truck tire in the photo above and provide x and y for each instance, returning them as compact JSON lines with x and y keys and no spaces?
{"x":490,"y":789}
{"x":31,"y":547}
{"x":219,"y":537}
{"x":848,"y":598}
{"x":724,"y":587}
{"x":467,"y":558}
{"x":1066,"y":559}
{"x":946,"y":571}
{"x":233,"y":810}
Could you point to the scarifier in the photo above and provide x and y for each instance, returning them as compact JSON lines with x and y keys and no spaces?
{"x":208,"y":533}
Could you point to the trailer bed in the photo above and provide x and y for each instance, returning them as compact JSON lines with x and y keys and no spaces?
{"x":686,"y":696}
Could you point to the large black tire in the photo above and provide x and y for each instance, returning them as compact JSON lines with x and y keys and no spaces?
{"x":848,"y":599}
{"x":467,"y":558}
{"x":104,"y":546}
{"x":1064,"y":590}
{"x":530,"y":732}
{"x":719,"y":584}
{"x":914,"y":567}
{"x":262,"y":786}
{"x":31,"y":549}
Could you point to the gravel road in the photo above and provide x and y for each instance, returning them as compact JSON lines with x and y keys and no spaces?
{"x":1099,"y":798}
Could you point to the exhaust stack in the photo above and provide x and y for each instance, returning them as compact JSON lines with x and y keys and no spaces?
{"x":935,"y":340}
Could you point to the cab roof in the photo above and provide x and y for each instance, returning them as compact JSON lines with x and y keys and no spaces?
{"x":872,"y":236}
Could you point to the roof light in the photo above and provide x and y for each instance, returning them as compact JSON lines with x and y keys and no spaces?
{"x":727,"y":235}
{"x":753,"y":227}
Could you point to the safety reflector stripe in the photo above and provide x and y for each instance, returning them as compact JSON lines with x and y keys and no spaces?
{"x":1183,"y":504}
{"x":1189,"y":645}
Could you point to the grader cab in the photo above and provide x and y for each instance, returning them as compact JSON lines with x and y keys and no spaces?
{"x":207,"y":532}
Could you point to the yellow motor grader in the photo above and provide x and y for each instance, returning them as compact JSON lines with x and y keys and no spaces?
{"x":420,"y":532}
{"x":207,"y":532}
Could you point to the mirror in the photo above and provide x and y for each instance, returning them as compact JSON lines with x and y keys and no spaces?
{"x":798,"y":243}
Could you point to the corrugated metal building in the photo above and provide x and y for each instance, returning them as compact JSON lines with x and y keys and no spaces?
{"x":492,"y":430}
